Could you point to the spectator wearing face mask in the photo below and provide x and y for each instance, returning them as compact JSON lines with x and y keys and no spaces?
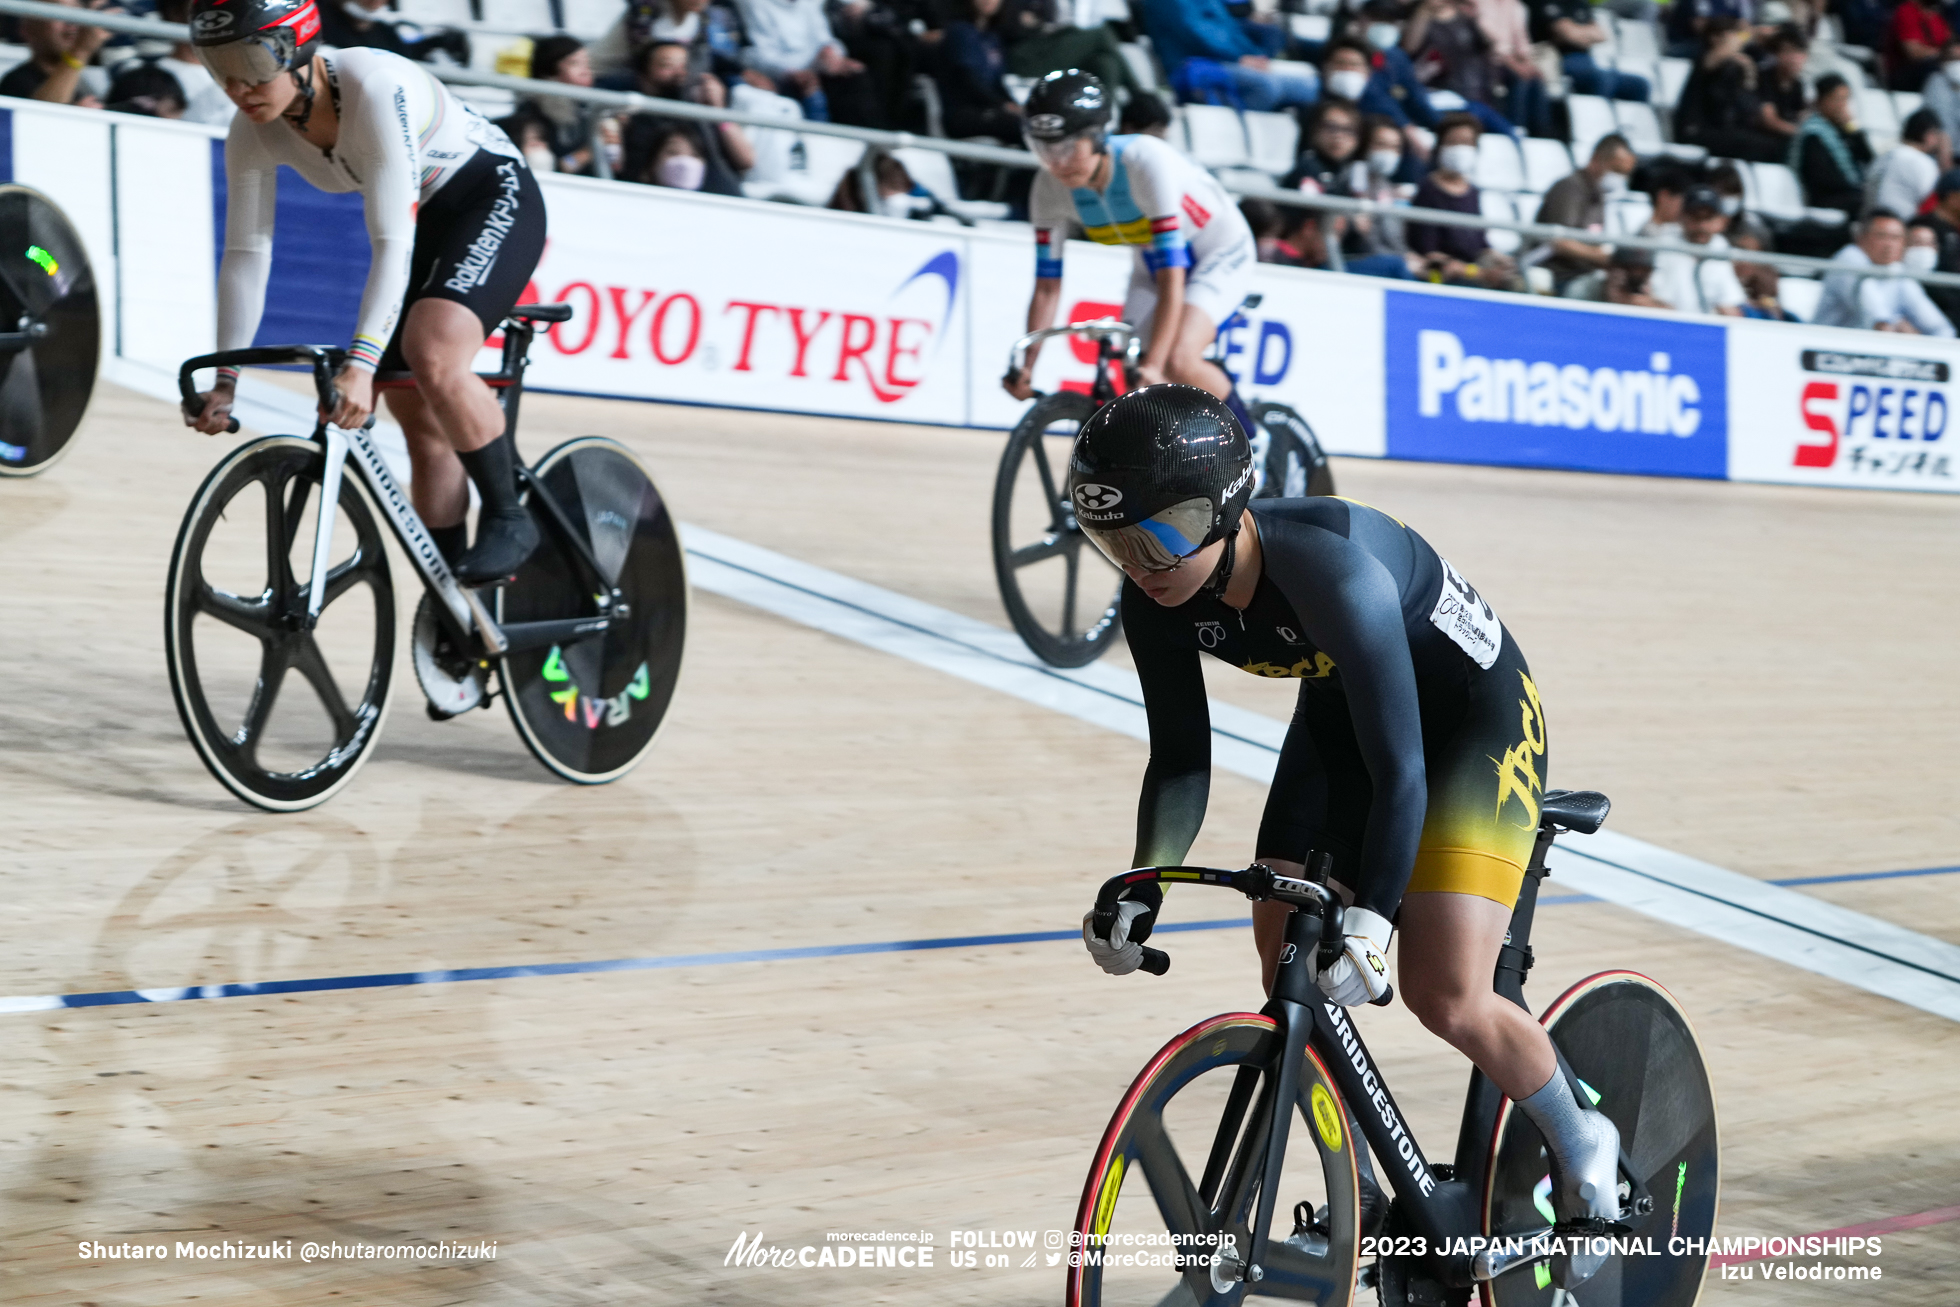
{"x":1238,"y":50}
{"x":1879,"y":303}
{"x":532,"y":133}
{"x":664,"y":71}
{"x":1355,"y":72}
{"x":1382,"y":161}
{"x":1942,"y":90}
{"x":1905,"y":177}
{"x":1262,"y":216}
{"x":1579,"y":200}
{"x":1943,"y":221}
{"x":1692,"y":285}
{"x":1448,"y":250}
{"x":676,"y":159}
{"x":1829,"y":154}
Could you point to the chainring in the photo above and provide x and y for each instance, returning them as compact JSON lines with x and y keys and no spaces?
{"x":453,"y":681}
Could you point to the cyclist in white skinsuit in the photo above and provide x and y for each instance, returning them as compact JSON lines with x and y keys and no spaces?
{"x":456,"y":222}
{"x":1195,"y":255}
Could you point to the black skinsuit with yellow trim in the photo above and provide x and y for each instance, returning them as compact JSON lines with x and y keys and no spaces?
{"x":1413,"y":763}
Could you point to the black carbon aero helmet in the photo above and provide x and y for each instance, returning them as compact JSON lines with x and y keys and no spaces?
{"x":1062,"y":106}
{"x":1158,"y":474}
{"x":253,"y":41}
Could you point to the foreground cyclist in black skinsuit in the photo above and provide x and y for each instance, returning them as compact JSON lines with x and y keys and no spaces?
{"x":1416,"y":755}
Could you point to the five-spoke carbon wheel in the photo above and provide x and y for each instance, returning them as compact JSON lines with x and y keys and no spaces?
{"x":589,"y":709}
{"x":1166,"y":1214}
{"x":1288,"y":462}
{"x":281,"y":710}
{"x":1060,"y":592}
{"x":1635,"y":1054}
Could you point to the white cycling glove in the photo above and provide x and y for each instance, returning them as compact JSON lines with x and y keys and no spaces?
{"x":1118,"y":956}
{"x":1360,"y":974}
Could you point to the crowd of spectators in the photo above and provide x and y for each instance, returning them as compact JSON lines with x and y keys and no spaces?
{"x":1393,"y":99}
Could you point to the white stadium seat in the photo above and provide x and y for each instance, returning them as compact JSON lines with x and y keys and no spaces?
{"x":825,"y":161}
{"x":1905,"y":104}
{"x":1625,"y":217}
{"x":1142,"y":66}
{"x":1273,"y":140}
{"x":1799,"y":295}
{"x":1497,"y":205}
{"x":1877,"y":117}
{"x":1641,"y":125}
{"x":1637,"y":40}
{"x":1217,"y":137}
{"x":1592,"y":118}
{"x":1777,"y":191}
{"x":589,"y":20}
{"x":1545,"y":162}
{"x":934,"y":171}
{"x":1674,"y":76}
{"x":1310,"y":27}
{"x":1498,"y":166}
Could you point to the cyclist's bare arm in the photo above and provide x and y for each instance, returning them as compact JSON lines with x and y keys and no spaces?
{"x":1042,"y":305}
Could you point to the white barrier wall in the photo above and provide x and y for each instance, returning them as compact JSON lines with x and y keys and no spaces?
{"x":699,"y":299}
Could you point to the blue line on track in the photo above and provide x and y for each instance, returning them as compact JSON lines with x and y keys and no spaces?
{"x":115,"y":998}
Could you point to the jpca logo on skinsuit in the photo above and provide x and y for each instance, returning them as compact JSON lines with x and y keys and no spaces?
{"x":886,"y":352}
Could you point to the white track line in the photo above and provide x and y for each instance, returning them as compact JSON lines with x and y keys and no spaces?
{"x":1778,"y":923}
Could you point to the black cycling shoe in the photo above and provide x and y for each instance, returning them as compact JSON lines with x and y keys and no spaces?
{"x":503,"y":542}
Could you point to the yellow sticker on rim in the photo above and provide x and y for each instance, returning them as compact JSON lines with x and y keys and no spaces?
{"x":1326,"y":1117}
{"x":1106,"y":1203}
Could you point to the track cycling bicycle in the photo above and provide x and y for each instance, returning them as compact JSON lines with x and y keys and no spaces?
{"x":50,"y":332}
{"x":1621,"y":1040}
{"x":585,"y":640}
{"x":1034,"y":524}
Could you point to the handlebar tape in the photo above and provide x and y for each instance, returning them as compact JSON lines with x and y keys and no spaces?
{"x":1155,"y":961}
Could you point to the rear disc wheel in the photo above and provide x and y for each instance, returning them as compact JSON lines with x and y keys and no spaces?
{"x":588,"y":710}
{"x":47,"y":295}
{"x":1635,"y":1054}
{"x":1288,"y":460}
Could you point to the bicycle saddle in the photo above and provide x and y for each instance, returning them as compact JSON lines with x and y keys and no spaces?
{"x":541,"y":313}
{"x":1583,"y":811}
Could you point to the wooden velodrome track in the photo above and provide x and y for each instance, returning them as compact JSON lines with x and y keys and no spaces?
{"x":1762,"y":678}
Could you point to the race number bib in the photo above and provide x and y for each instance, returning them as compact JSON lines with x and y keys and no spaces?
{"x":1463,"y":616}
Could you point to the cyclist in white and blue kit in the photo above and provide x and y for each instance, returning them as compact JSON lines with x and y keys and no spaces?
{"x":1195,"y":254}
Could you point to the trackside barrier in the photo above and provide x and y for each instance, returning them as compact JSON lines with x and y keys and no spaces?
{"x":692,"y":298}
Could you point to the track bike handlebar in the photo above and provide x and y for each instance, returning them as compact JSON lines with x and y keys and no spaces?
{"x":325,"y":360}
{"x":1096,"y":328}
{"x":1258,"y":883}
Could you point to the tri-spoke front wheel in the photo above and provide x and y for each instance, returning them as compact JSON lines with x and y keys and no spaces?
{"x":1060,"y":592}
{"x":1166,"y":1216}
{"x":282,"y":710}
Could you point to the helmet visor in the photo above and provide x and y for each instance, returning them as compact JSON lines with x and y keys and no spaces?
{"x":1158,"y":543}
{"x":255,"y":60}
{"x":1059,"y":151}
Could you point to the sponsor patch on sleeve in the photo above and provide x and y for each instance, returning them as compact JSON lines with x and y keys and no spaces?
{"x":1465,"y":617}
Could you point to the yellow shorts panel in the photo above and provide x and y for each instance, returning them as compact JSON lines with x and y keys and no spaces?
{"x":1467,"y":871}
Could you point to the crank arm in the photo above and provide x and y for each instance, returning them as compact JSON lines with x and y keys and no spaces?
{"x":494,"y":642}
{"x":1493,"y":1262}
{"x":521,"y":637}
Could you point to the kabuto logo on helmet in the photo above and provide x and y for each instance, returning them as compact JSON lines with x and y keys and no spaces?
{"x":1045,"y":124}
{"x":1098,"y":498}
{"x":212,"y":20}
